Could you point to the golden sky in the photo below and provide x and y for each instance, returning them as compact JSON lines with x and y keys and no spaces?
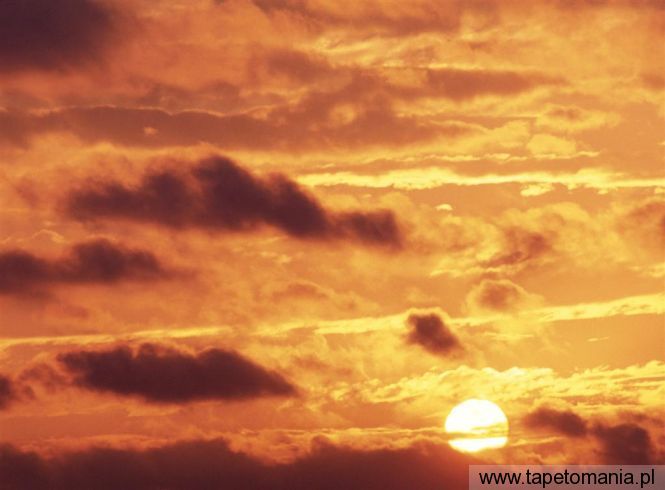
{"x":272,"y":243}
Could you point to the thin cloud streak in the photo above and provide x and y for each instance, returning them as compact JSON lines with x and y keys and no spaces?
{"x":431,"y":178}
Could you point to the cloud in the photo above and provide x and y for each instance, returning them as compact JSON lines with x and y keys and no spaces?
{"x":421,"y":16}
{"x":43,"y":34}
{"x":434,"y":177}
{"x":565,"y":422}
{"x":459,"y":84}
{"x":430,"y":332}
{"x":625,"y":443}
{"x":297,"y":66}
{"x":521,"y":246}
{"x":425,"y":468}
{"x":219,"y":195}
{"x":7,"y":392}
{"x":312,"y":125}
{"x":569,"y":119}
{"x":498,"y":295}
{"x":160,"y":374}
{"x":198,"y":465}
{"x":14,"y":389}
{"x":360,"y":111}
{"x":546,"y":144}
{"x":387,"y":18}
{"x":93,"y":262}
{"x":644,"y":222}
{"x":653,"y":81}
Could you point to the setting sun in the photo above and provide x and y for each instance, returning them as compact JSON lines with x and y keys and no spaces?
{"x":477,"y":425}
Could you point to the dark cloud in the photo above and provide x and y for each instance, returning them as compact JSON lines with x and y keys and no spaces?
{"x":165,"y":375}
{"x":14,"y":389}
{"x":219,"y":195}
{"x":98,"y":261}
{"x":48,"y":34}
{"x":330,"y":467}
{"x":626,"y":443}
{"x":199,"y":465}
{"x":7,"y":391}
{"x":369,"y":226}
{"x":430,"y":332}
{"x":562,"y":421}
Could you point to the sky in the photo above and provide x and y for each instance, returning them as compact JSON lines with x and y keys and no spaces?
{"x":273,"y":243}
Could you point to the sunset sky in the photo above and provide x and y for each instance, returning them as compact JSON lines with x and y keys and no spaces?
{"x":271,"y":244}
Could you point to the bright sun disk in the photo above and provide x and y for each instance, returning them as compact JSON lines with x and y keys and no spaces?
{"x":476,"y":425}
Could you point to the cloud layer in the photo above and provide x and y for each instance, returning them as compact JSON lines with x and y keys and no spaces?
{"x":199,"y":465}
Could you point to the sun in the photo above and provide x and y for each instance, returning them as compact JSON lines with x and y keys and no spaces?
{"x":476,"y":425}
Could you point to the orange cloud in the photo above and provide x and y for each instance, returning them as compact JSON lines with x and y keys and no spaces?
{"x":499,"y":295}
